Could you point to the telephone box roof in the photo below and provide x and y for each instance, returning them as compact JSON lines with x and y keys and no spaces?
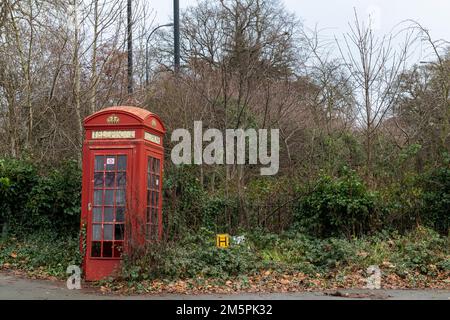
{"x":141,"y":115}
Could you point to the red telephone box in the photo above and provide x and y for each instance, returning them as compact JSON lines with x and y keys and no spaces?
{"x":123,"y":159}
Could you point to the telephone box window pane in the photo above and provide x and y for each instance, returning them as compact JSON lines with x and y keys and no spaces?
{"x":120,"y":214}
{"x":97,"y":215}
{"x":98,"y":197}
{"x":120,"y":197}
{"x":149,"y":165}
{"x":118,"y":235}
{"x":153,"y":164}
{"x":109,"y":179}
{"x":109,"y":214}
{"x":121,"y":163}
{"x":148,"y":231}
{"x":110,"y":163}
{"x":148,"y":214}
{"x":154,"y":219}
{"x":156,"y":182}
{"x":107,"y":249}
{"x":156,"y":165}
{"x":121,"y":179}
{"x":98,"y":179}
{"x":96,"y":249}
{"x":154,"y":232}
{"x":118,"y":249}
{"x":109,"y":194}
{"x":97,"y":232}
{"x":155,"y":199}
{"x":149,"y":181}
{"x":99,"y":163}
{"x":107,"y":232}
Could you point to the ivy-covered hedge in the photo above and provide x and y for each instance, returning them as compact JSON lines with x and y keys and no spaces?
{"x":435,"y":211}
{"x":341,"y":206}
{"x":344,"y":206}
{"x":34,"y":199}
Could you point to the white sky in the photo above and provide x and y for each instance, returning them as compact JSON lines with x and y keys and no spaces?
{"x":333,"y":16}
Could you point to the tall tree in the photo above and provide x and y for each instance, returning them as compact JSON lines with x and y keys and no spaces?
{"x":374,"y":66}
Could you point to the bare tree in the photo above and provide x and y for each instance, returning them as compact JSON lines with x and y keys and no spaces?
{"x":440,"y":52}
{"x":422,"y":115}
{"x":374,"y":66}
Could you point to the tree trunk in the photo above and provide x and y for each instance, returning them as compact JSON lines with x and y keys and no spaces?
{"x":93,"y":90}
{"x":76,"y":88}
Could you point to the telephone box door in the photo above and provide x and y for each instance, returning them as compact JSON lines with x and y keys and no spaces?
{"x":109,"y":189}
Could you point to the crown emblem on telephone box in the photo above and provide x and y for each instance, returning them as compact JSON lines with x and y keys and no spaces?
{"x":113,"y":119}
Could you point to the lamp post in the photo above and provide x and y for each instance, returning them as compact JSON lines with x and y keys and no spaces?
{"x":130,"y":48}
{"x":176,"y":34}
{"x":146,"y":49}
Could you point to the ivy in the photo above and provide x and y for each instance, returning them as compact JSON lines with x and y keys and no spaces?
{"x":33,"y":198}
{"x":341,"y":206}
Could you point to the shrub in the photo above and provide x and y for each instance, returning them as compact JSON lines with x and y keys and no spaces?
{"x":215,"y":211}
{"x":17,"y":179}
{"x":188,"y":206}
{"x":421,"y":250}
{"x":43,"y":253}
{"x":54,"y":202}
{"x":31,"y":201}
{"x":338,"y":207}
{"x":435,"y":212}
{"x":310,"y":255}
{"x":193,"y":256}
{"x":183,"y":199}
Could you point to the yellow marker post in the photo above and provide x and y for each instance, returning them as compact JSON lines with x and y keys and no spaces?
{"x":222,"y":240}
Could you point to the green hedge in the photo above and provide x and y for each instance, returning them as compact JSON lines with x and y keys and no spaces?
{"x":341,"y":206}
{"x":36,"y":198}
{"x":435,"y":211}
{"x":33,"y":198}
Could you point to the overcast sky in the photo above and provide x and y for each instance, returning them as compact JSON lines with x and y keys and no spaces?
{"x":333,"y":16}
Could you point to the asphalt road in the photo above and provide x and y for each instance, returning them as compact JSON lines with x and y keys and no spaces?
{"x":13,"y":287}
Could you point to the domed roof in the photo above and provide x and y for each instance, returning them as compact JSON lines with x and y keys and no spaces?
{"x":139,"y":112}
{"x":142,"y":116}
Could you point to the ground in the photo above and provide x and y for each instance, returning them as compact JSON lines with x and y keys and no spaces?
{"x":13,"y":286}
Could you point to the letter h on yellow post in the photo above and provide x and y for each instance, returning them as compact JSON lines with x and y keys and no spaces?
{"x":222,"y":241}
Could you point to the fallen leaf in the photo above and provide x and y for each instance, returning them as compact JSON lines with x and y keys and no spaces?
{"x":387,"y":264}
{"x":362,"y":254}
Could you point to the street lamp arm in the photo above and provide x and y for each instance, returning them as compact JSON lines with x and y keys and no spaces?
{"x":146,"y":48}
{"x":158,"y":27}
